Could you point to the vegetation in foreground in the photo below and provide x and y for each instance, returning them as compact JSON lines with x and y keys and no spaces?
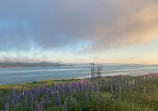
{"x":118,"y":93}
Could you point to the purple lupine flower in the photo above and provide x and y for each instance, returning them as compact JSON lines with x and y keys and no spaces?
{"x":36,"y":105}
{"x":113,"y":82}
{"x":6,"y":107}
{"x":82,"y":89}
{"x":45,"y":88}
{"x":119,"y":92}
{"x":80,"y":86}
{"x":63,"y":92}
{"x":65,"y":88}
{"x":70,"y":90}
{"x":50,"y":93}
{"x":38,"y":92}
{"x":32,"y":99}
{"x":123,"y":84}
{"x":92,"y":87}
{"x":75,"y":86}
{"x":19,"y":97}
{"x":25,"y":104}
{"x":14,"y":92}
{"x":58,"y":100}
{"x":54,"y":89}
{"x":14,"y":101}
{"x":59,"y":88}
{"x":34,"y":91}
{"x":47,"y":98}
{"x":65,"y":106}
{"x":8,"y":100}
{"x":31,"y":103}
{"x":14,"y":98}
{"x":86,"y":96}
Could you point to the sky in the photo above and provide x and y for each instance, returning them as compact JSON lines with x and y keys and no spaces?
{"x":79,"y":31}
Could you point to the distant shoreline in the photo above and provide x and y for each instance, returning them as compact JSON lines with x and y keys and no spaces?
{"x":35,"y":66}
{"x":29,"y":65}
{"x":11,"y":67}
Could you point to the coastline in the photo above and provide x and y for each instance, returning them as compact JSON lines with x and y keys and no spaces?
{"x":29,"y":65}
{"x":12,"y":67}
{"x":36,"y":66}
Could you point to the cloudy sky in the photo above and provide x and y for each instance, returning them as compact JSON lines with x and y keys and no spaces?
{"x":79,"y":31}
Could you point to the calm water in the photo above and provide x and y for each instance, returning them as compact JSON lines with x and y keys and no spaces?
{"x":24,"y":75}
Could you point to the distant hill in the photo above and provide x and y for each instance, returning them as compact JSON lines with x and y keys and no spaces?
{"x":23,"y":64}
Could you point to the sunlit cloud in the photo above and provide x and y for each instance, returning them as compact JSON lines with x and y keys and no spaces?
{"x":82,"y":26}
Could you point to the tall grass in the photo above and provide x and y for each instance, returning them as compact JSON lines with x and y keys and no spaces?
{"x":117,"y":93}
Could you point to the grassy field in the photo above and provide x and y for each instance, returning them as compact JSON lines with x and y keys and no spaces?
{"x":117,"y":93}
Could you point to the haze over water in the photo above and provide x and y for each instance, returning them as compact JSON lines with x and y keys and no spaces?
{"x":24,"y":75}
{"x":77,"y":32}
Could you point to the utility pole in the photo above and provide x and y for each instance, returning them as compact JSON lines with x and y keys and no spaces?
{"x":96,"y":70}
{"x":92,"y":70}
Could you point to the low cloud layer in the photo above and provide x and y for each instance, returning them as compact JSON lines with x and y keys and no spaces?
{"x":52,"y":24}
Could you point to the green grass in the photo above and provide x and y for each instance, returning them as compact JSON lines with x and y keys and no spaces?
{"x":125,"y":96}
